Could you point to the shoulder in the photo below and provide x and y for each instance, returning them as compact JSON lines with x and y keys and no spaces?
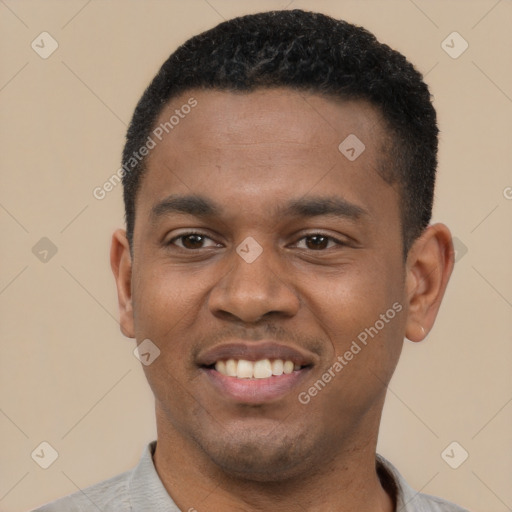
{"x":428,"y":503}
{"x":408,"y":500}
{"x":110,"y":495}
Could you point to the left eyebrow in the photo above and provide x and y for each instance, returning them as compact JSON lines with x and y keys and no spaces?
{"x":317,"y":206}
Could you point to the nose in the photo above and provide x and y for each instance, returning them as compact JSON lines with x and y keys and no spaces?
{"x":249,"y":291}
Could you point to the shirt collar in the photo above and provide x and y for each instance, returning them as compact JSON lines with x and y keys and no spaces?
{"x":148,"y":494}
{"x":407,"y":499}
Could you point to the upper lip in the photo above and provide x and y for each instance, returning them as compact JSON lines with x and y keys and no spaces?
{"x":254,"y":351}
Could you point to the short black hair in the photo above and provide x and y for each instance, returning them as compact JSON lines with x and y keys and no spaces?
{"x":310,"y":52}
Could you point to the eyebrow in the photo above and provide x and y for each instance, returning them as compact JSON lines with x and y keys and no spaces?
{"x":316,"y":206}
{"x":200,"y":206}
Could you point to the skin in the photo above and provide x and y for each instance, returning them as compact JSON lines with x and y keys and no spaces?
{"x":250,"y":153}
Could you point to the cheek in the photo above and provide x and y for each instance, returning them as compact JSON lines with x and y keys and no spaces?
{"x":348,"y":302}
{"x":165,"y":303}
{"x":165,"y":310}
{"x":363,"y":315}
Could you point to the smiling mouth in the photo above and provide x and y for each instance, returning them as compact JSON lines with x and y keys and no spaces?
{"x":263,"y":372}
{"x":260,"y":369}
{"x":255,"y":382}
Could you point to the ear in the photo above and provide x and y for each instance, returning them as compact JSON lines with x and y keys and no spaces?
{"x":121,"y":264}
{"x":429,"y":267}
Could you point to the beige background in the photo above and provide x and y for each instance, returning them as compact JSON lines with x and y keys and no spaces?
{"x":68,"y":376}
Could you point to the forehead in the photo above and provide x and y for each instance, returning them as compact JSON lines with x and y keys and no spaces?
{"x":265,"y":145}
{"x":222,"y":118}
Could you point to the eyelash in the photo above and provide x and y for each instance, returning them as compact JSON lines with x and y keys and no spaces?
{"x":204,"y":235}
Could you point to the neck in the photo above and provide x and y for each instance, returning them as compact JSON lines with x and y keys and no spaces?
{"x":347,"y":482}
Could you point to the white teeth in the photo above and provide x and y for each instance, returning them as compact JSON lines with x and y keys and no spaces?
{"x":231,"y":367}
{"x":261,"y":369}
{"x":220,"y":366}
{"x":245,"y":369}
{"x":288,"y":367}
{"x":277,"y":367}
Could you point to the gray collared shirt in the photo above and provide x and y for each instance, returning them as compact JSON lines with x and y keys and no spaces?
{"x":141,"y":490}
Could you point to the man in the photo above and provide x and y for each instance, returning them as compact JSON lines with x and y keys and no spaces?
{"x":278,"y":181}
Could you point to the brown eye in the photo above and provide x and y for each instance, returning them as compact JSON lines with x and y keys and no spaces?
{"x":192,"y":241}
{"x":317,"y":242}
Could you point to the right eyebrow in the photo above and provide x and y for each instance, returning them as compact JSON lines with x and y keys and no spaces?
{"x":196,"y":205}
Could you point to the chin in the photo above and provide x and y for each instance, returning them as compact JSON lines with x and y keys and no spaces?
{"x":260,"y":456}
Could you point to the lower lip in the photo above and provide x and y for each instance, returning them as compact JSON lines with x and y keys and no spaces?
{"x":255,"y":390}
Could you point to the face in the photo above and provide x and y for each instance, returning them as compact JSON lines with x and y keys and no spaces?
{"x":257,"y":240}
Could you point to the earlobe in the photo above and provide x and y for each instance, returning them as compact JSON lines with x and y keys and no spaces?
{"x":429,"y":267}
{"x":121,"y":264}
